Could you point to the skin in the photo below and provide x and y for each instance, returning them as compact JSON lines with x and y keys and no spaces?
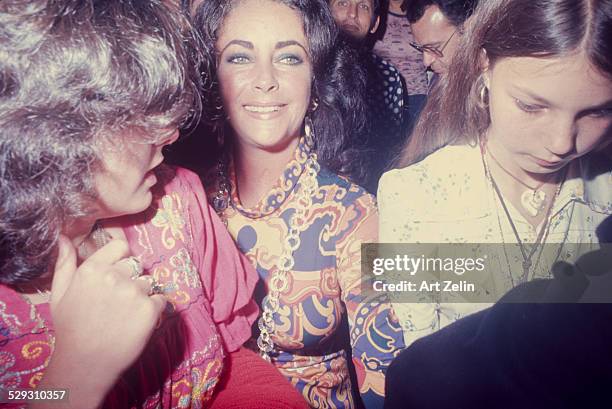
{"x":545,"y":113}
{"x":88,"y":295}
{"x":125,"y":180}
{"x":395,"y":6}
{"x":265,"y":76}
{"x":433,"y":29}
{"x":355,"y":17}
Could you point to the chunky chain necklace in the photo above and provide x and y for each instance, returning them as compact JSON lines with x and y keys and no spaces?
{"x":297,"y":223}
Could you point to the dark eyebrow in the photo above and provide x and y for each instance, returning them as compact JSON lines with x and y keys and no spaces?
{"x":288,"y":43}
{"x":242,"y":43}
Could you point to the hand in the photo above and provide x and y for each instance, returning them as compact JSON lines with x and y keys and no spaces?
{"x":102,"y":317}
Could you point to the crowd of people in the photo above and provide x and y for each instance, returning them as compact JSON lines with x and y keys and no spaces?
{"x":311,"y":128}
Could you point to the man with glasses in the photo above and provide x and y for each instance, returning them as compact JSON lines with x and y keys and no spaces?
{"x":436,"y":26}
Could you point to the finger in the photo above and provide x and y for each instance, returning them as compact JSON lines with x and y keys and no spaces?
{"x":159,"y":302}
{"x":65,"y":267}
{"x":130,"y":266}
{"x":145,"y":283}
{"x":112,"y":252}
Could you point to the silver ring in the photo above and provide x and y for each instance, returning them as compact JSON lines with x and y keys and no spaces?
{"x":156,"y":288}
{"x":137,"y":269}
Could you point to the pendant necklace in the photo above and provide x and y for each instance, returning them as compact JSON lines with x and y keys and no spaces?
{"x":533,"y":200}
{"x":539,"y":242}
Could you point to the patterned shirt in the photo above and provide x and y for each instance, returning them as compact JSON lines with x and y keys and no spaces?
{"x":386,"y":102}
{"x":324,"y":293}
{"x":435,"y":202}
{"x":395,"y":48}
{"x":209,"y":284}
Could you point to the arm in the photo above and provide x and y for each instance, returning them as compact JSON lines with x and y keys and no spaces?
{"x":375,"y":334}
{"x":399,"y":216}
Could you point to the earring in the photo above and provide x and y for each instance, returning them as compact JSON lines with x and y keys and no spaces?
{"x":314,"y":104}
{"x":484,"y":94}
{"x":309,"y":132}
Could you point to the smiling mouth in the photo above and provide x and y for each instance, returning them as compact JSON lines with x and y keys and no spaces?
{"x":263,"y":109}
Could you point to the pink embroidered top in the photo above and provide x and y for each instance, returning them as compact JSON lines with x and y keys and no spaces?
{"x":183,"y":244}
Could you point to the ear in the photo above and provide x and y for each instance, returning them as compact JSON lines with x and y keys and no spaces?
{"x":375,"y":25}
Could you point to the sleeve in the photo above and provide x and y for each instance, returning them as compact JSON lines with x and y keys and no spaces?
{"x":399,"y":219}
{"x":524,"y":355}
{"x":25,"y":348}
{"x":228,"y":278}
{"x":375,"y":334}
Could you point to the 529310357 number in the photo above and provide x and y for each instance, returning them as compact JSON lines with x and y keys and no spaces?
{"x":29,"y":395}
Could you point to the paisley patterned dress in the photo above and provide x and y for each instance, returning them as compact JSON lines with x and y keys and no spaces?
{"x":323,"y":321}
{"x":182,"y":243}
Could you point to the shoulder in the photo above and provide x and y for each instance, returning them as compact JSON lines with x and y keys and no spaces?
{"x":176,"y":179}
{"x":436,"y":185}
{"x":386,"y":70}
{"x":596,"y":172}
{"x":341,"y":189}
{"x":445,"y":163}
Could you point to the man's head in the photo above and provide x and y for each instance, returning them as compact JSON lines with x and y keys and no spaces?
{"x":356,"y":18}
{"x":436,"y":26}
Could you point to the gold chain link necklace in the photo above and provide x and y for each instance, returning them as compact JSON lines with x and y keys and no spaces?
{"x":295,"y":225}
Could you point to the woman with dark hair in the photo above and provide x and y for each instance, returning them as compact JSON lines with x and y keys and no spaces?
{"x":287,"y":106}
{"x":509,"y":147}
{"x":90,"y":93}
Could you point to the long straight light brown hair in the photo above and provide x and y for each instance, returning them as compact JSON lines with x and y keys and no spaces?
{"x":454,"y":113}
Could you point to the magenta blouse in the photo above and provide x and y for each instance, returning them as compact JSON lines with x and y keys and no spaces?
{"x":182,"y":243}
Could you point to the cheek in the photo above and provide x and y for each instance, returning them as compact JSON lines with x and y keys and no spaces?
{"x":513,"y":129}
{"x":297,"y":87}
{"x":593,"y":133}
{"x":230,"y":85}
{"x":338,"y":14}
{"x":365,"y":19}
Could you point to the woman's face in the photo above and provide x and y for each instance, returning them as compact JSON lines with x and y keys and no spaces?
{"x":126,"y":176}
{"x":545,"y":112}
{"x":265,"y":73}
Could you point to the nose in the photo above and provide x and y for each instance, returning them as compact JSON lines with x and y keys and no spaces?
{"x":562,"y":138}
{"x":352,"y":11}
{"x":428,"y":58}
{"x":265,"y":79}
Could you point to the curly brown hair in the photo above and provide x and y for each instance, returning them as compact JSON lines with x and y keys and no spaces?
{"x":72,"y":72}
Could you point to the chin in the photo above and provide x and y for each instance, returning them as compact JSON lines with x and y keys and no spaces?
{"x":272,"y":141}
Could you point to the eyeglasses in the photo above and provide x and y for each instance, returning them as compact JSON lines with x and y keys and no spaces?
{"x":438,"y":52}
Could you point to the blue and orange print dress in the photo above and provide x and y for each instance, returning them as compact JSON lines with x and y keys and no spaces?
{"x":322,"y":314}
